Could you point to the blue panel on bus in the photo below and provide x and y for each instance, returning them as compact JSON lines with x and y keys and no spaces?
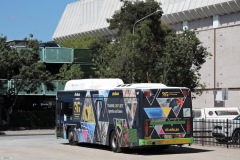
{"x":154,"y":112}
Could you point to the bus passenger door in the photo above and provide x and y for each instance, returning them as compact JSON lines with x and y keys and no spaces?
{"x":59,"y":120}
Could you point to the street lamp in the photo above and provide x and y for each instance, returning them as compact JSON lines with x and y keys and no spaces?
{"x":134,"y":30}
{"x":143,"y":19}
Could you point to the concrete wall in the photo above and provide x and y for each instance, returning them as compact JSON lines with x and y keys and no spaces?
{"x":221,"y":70}
{"x":207,"y":70}
{"x":228,"y":57}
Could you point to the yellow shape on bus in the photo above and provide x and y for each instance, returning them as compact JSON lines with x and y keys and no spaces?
{"x":166,"y":111}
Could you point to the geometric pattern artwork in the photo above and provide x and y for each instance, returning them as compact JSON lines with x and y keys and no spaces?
{"x":167,"y":109}
{"x":164,"y":111}
{"x":102,"y":119}
{"x":154,"y":113}
{"x":174,"y":103}
{"x":129,"y":95}
{"x":88,"y":113}
{"x":125,"y":135}
{"x":103,"y":127}
{"x":161,"y":131}
{"x":105,"y":94}
{"x":88,"y":124}
{"x":130,"y":111}
{"x":132,"y":135}
{"x":152,"y":98}
{"x":130,"y":105}
{"x":158,"y":128}
{"x":86,"y":133}
{"x":163,"y":102}
{"x":120,"y":128}
{"x":171,"y":115}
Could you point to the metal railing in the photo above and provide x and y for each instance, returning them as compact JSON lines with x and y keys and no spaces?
{"x":63,"y":55}
{"x":224,"y":133}
{"x":42,"y":89}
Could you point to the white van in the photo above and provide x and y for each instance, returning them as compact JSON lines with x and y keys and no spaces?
{"x":215,"y":113}
{"x":205,"y":119}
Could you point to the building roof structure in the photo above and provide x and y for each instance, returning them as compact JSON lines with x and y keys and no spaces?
{"x":88,"y":17}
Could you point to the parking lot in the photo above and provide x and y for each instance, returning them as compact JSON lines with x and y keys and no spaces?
{"x":48,"y":147}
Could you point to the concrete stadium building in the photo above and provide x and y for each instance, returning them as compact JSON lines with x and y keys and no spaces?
{"x":217,"y":23}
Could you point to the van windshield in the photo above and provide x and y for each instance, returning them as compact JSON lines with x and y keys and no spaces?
{"x":237,"y":118}
{"x":197,"y":114}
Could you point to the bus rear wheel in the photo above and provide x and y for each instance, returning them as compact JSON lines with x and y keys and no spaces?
{"x":114,"y":142}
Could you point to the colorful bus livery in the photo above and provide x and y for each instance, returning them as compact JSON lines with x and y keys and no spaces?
{"x":125,"y":115}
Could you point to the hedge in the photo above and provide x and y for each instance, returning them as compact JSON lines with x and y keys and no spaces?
{"x":33,"y":119}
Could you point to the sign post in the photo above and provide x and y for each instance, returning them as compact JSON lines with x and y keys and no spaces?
{"x":225,"y":94}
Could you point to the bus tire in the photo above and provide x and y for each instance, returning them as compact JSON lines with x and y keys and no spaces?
{"x":71,"y":137}
{"x":114,"y":142}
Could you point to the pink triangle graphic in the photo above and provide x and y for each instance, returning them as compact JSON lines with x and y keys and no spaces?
{"x":161,"y":131}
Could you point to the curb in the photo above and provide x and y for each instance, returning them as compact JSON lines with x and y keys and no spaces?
{"x":28,"y":132}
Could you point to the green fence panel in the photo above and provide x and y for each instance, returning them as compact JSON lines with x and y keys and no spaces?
{"x":58,"y":55}
{"x":59,"y":86}
{"x":20,"y":48}
{"x":39,"y":91}
{"x":3,"y":86}
{"x":49,"y":92}
{"x":83,"y":56}
{"x":41,"y":54}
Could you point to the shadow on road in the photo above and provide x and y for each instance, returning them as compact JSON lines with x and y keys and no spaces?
{"x":147,"y":151}
{"x":170,"y":150}
{"x":92,"y":146}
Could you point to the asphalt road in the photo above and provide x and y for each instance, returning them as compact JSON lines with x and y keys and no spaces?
{"x":47,"y":147}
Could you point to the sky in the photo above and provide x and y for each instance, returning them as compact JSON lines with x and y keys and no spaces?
{"x":20,"y":18}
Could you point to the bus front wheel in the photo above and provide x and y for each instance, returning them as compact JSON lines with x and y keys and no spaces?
{"x":71,"y":137}
{"x":114,"y":142}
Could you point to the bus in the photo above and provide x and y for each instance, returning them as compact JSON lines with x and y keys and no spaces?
{"x":109,"y":112}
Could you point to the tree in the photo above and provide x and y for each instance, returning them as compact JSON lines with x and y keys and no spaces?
{"x":69,"y":71}
{"x":101,"y":56}
{"x":23,"y":69}
{"x":119,"y":60}
{"x":81,"y":42}
{"x":86,"y":42}
{"x":138,"y":52}
{"x":184,"y":56}
{"x":154,"y":52}
{"x":130,"y":12}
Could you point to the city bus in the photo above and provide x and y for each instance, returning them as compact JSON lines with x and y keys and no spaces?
{"x":109,"y":112}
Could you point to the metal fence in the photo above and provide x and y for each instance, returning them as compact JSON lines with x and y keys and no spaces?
{"x":224,"y":133}
{"x":63,"y":55}
{"x":41,"y":90}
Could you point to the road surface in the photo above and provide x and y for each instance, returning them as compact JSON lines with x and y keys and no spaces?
{"x":47,"y":147}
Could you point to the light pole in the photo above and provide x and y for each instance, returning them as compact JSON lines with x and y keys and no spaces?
{"x":134,"y":32}
{"x":143,"y":19}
